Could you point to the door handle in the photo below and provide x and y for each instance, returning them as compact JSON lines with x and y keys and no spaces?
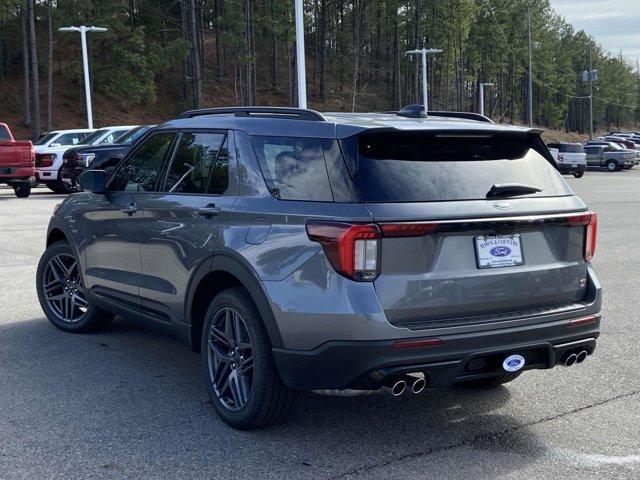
{"x":209,"y":211}
{"x":130,"y":209}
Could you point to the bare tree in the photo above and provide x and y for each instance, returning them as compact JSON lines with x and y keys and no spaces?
{"x":49,"y":106}
{"x":26,"y":102}
{"x":34,"y":69}
{"x":196,"y":65}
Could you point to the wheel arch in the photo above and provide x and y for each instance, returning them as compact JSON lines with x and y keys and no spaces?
{"x":221,"y":272}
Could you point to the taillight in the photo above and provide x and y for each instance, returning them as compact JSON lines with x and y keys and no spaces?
{"x":394,"y":230}
{"x":352,"y":250}
{"x":44,"y":159}
{"x":590,"y":221}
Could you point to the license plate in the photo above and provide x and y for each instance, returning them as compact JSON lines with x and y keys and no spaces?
{"x":574,"y":165}
{"x":5,"y":170}
{"x":496,"y":251}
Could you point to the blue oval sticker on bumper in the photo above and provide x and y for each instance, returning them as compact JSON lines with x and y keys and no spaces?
{"x":513,"y":363}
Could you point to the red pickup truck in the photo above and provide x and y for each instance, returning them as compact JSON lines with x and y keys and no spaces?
{"x":17,"y":162}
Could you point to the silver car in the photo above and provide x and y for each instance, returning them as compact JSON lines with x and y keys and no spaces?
{"x":338,"y":253}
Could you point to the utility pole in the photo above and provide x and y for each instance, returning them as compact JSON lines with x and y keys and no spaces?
{"x":590,"y":94}
{"x":85,"y":64}
{"x":481,"y":103}
{"x":302,"y":76}
{"x":423,"y":53}
{"x":530,"y":79}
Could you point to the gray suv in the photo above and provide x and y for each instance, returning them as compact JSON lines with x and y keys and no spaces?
{"x":336,"y":253}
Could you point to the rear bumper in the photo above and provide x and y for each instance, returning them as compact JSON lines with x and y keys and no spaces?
{"x":568,"y":168}
{"x":12,"y":173}
{"x":368,"y":365}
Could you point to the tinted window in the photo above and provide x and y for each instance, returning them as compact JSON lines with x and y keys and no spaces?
{"x":92,"y":137}
{"x":591,"y":150}
{"x":4,"y":134}
{"x":422,"y":167}
{"x":195,"y":159}
{"x":45,"y":138}
{"x":113,"y":136}
{"x":140,"y":171}
{"x":571,"y":148}
{"x":132,"y":135}
{"x":70,"y":138}
{"x":294,"y":168}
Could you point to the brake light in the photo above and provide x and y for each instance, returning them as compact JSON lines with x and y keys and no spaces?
{"x":590,"y":221}
{"x":394,"y":230}
{"x":352,"y":250}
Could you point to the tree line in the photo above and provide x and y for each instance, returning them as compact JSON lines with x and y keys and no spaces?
{"x":242,"y":52}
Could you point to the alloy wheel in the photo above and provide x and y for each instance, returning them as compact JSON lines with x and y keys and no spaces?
{"x":63,"y":288}
{"x":230,"y":358}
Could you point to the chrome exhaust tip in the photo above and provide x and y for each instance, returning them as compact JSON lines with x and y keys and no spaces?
{"x":418,"y":385}
{"x":570,"y":360}
{"x":581,"y":357}
{"x":395,"y":387}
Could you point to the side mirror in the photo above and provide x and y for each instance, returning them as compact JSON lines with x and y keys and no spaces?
{"x":93,"y":180}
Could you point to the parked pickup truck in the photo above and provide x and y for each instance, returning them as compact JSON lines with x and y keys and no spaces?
{"x":569,"y":157}
{"x":607,"y":156}
{"x":17,"y":162}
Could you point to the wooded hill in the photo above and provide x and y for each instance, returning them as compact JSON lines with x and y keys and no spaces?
{"x":165,"y":56}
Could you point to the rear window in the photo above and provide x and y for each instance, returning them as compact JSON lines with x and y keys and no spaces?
{"x":571,"y":148}
{"x":428,"y":166}
{"x":294,"y":167}
{"x":4,"y":134}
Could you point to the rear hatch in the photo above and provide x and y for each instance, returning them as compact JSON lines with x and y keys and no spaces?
{"x":451,"y":251}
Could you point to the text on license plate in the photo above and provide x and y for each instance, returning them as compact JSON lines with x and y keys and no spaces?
{"x":495,"y":251}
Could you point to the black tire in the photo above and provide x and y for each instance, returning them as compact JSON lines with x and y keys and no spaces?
{"x":269,"y":399}
{"x":612,"y":165}
{"x":578,"y":174}
{"x":491,"y":382}
{"x":23,"y":190}
{"x":89,"y":318}
{"x":62,"y":187}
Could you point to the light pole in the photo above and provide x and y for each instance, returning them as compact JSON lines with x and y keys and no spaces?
{"x":423,"y":52}
{"x":302,"y":76}
{"x":481,"y":103}
{"x":85,"y":63}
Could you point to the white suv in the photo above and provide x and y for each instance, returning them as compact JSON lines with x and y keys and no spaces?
{"x":51,"y":147}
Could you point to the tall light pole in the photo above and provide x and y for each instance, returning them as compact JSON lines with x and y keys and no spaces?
{"x":424,"y":52}
{"x":85,"y":63}
{"x":481,"y":103}
{"x":590,"y":94}
{"x":530,"y":79}
{"x":302,"y":75}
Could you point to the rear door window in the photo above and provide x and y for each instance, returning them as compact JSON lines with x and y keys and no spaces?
{"x":428,"y":166}
{"x":571,"y":148}
{"x":294,"y":167}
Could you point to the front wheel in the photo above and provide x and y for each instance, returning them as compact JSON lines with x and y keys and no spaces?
{"x":62,"y":294}
{"x":22,"y":190}
{"x":612,"y":165}
{"x":239,"y":371}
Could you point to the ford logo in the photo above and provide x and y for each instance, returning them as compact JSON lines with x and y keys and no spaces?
{"x":500,"y":251}
{"x":503,"y":205}
{"x":513,"y":363}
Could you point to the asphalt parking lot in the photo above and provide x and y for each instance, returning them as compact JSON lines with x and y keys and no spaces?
{"x":129,"y":403}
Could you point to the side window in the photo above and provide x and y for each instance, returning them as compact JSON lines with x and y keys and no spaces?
{"x":294,"y":168}
{"x":69,"y":139}
{"x":113,"y":136}
{"x":141,"y":170}
{"x":200,"y":164}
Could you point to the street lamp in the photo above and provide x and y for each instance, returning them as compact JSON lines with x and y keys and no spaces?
{"x":423,"y":52}
{"x":481,"y":103}
{"x":85,"y":63}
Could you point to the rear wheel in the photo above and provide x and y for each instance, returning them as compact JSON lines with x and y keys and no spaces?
{"x":612,"y":165}
{"x":578,"y":174}
{"x":241,"y":377}
{"x":62,"y":294}
{"x":491,"y":382}
{"x":23,"y":190}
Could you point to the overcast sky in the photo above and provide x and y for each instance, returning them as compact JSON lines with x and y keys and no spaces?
{"x":615,"y":24}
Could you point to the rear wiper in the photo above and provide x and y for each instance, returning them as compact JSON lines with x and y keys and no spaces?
{"x":510,"y":190}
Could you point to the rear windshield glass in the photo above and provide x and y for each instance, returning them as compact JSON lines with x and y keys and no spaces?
{"x":423,"y":167}
{"x":4,"y":134}
{"x":294,"y":167}
{"x":571,"y":148}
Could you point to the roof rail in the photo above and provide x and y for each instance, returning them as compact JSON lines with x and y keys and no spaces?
{"x":417,"y":111}
{"x":269,"y":112}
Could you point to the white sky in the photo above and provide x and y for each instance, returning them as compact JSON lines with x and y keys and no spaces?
{"x":615,"y":24}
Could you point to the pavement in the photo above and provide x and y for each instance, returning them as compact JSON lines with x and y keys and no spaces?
{"x":127,"y":403}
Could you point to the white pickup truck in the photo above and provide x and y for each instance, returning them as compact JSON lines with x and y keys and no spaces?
{"x":569,"y":157}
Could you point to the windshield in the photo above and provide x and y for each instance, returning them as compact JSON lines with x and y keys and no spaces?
{"x":132,"y":135}
{"x":45,"y":138}
{"x":428,"y":166}
{"x":89,"y":139}
{"x":616,"y":146}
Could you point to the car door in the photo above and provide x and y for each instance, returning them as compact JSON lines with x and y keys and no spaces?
{"x":184,"y":219}
{"x":593,"y":157}
{"x":113,"y":223}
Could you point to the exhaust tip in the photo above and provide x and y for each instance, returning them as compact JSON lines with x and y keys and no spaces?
{"x":581,"y":357}
{"x":570,"y":360}
{"x":398,"y":388}
{"x":418,"y":385}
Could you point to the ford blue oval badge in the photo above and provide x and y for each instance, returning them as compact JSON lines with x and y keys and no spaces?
{"x":500,"y":251}
{"x":513,"y":363}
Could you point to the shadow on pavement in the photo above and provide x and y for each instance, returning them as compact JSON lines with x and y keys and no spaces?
{"x":126,"y":398}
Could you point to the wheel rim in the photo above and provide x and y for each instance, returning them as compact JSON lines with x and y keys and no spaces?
{"x":611,"y":166}
{"x":63,"y":288}
{"x":230,"y":359}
